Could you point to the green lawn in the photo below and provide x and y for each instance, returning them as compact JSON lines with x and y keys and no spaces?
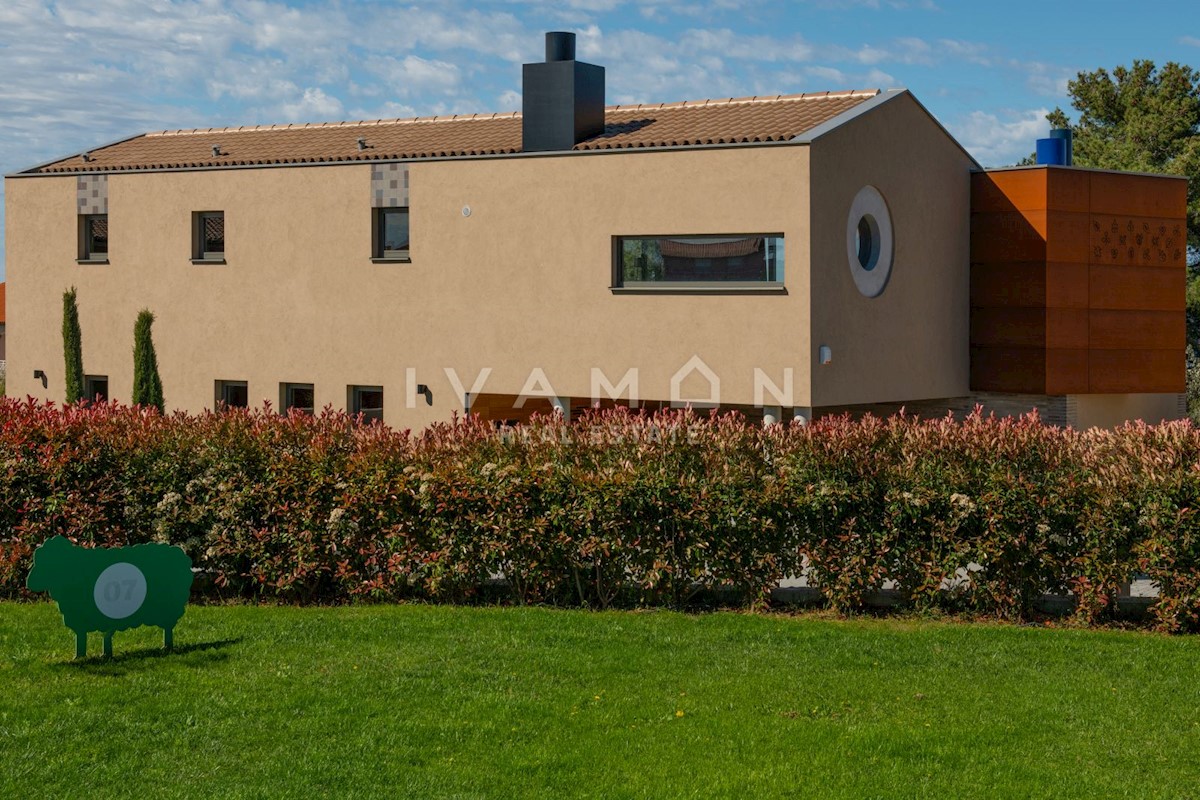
{"x":414,"y":701}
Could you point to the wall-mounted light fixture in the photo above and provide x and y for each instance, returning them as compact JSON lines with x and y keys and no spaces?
{"x":424,"y":389}
{"x":40,"y":375}
{"x":825,"y":355}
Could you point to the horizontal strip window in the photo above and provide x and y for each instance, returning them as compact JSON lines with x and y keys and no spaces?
{"x":698,"y":262}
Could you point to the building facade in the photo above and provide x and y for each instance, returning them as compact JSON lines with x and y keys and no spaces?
{"x":783,"y":256}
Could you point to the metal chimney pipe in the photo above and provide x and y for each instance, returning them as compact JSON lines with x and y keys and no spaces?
{"x":560,"y":46}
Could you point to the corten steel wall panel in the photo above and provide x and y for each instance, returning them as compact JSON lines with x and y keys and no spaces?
{"x":1007,"y":236}
{"x":1015,"y":190}
{"x":1125,"y":240}
{"x":1067,"y":370}
{"x":1068,"y":190}
{"x":1137,"y":195}
{"x":1067,"y":328}
{"x":1067,"y":285}
{"x":1134,"y":288}
{"x":1067,"y":236}
{"x":1111,"y":278}
{"x":1008,"y":327}
{"x":911,"y":341}
{"x":1136,"y":371}
{"x":1008,"y":369}
{"x":1137,"y":330}
{"x":522,"y":282}
{"x":1009,"y":284}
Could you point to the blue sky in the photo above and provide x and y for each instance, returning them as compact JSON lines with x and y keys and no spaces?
{"x":78,"y":73}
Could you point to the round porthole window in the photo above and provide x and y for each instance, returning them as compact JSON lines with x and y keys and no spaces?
{"x":869,"y":243}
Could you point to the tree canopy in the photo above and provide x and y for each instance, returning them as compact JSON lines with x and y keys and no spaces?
{"x":1140,"y":119}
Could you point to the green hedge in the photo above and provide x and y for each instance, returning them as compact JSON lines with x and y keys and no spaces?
{"x":618,"y":507}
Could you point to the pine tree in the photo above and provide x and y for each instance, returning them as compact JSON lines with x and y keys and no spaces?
{"x":72,"y":347}
{"x":147,"y":386}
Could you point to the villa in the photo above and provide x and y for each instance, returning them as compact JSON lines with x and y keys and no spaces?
{"x":785,"y":256}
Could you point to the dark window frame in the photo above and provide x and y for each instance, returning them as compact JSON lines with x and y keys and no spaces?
{"x":199,"y":253}
{"x":87,"y":241}
{"x":91,"y":389}
{"x":286,"y":394}
{"x":775,"y":261}
{"x":354,"y":402}
{"x":379,"y":252}
{"x":221,"y":394}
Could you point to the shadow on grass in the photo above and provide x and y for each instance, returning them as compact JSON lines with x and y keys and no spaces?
{"x":123,"y":661}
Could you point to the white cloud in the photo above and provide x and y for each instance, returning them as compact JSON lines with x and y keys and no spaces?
{"x":313,"y":105}
{"x":412,"y":75}
{"x":1049,"y":80}
{"x":1001,"y":139}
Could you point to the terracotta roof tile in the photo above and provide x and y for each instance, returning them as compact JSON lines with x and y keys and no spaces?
{"x":696,"y":122}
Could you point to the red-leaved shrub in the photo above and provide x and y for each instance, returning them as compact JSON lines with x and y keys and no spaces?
{"x":618,"y":507}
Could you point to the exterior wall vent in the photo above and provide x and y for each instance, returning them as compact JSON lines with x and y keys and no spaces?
{"x":562,"y":99}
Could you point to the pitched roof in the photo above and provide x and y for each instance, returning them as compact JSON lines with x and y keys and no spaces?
{"x":696,"y":122}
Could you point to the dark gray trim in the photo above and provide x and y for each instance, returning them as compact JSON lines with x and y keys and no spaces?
{"x":367,"y":163}
{"x":870,"y":105}
{"x":92,"y":260}
{"x":383,"y":260}
{"x":208,"y":261}
{"x":684,"y":288}
{"x":75,"y":155}
{"x":814,"y":133}
{"x":1078,"y":168}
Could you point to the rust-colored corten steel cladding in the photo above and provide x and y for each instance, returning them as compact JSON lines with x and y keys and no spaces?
{"x":1077,"y":281}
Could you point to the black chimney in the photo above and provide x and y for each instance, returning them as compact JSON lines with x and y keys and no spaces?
{"x":563,"y":99}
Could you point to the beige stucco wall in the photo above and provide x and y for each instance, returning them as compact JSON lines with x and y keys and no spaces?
{"x":911,"y":341}
{"x":522,"y":282}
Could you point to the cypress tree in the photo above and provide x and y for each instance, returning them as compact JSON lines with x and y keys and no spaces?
{"x":147,"y":386}
{"x":72,"y":347}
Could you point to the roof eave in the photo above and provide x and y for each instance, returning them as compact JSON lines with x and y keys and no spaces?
{"x":34,"y":169}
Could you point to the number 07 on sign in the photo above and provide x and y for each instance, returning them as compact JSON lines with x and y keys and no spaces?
{"x":113,"y":589}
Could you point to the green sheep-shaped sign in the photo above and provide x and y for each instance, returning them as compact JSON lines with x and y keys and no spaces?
{"x":113,"y":589}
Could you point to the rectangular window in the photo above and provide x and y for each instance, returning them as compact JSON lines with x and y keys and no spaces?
{"x":95,"y":388}
{"x":93,"y":237}
{"x":368,"y":401}
{"x":298,"y":396}
{"x":208,"y":236}
{"x":700,"y":262}
{"x":232,"y":394}
{"x":391,"y":234}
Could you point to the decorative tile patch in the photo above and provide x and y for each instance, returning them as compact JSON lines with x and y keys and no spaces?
{"x":91,"y":194}
{"x":389,"y":185}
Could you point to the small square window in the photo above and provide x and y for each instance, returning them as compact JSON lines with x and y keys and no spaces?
{"x":298,"y":396}
{"x":232,"y":394}
{"x":368,"y":401}
{"x":208,"y":236}
{"x":93,"y":237}
{"x":391,"y":234}
{"x":95,"y":388}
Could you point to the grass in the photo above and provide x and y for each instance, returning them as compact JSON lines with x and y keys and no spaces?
{"x":416,"y":701}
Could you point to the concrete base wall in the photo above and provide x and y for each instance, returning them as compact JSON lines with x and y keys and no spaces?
{"x":1080,"y":411}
